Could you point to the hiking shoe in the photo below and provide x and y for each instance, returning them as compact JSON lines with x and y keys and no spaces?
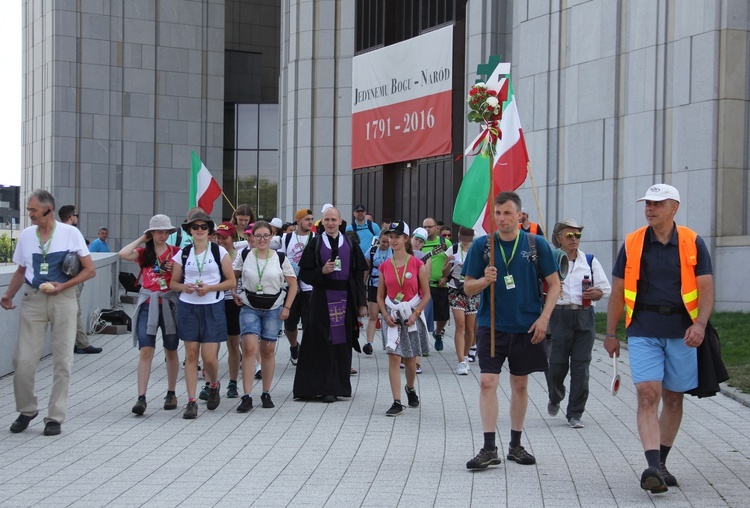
{"x":575,"y":423}
{"x":483,"y":459}
{"x":652,"y":480}
{"x":419,"y":369}
{"x":246,"y":404}
{"x":191,"y":411}
{"x":293,"y":354}
{"x":22,"y":423}
{"x":140,"y":406}
{"x":265,"y":400}
{"x":669,"y":478}
{"x":520,"y":455}
{"x":170,"y":401}
{"x":438,"y":341}
{"x":396,"y":409}
{"x":552,"y":408}
{"x":232,"y":392}
{"x":214,"y":397}
{"x":367,"y":349}
{"x":462,"y":369}
{"x":411,"y":395}
{"x":204,"y":392}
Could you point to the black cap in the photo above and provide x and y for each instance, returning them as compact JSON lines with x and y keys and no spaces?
{"x":360,"y":208}
{"x":400,"y":227}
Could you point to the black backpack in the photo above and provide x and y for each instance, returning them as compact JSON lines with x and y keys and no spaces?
{"x":185,"y":253}
{"x":281,"y":255}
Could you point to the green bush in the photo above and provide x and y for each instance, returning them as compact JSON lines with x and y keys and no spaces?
{"x":7,"y":247}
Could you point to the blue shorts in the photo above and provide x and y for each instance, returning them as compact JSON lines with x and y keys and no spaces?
{"x":145,"y":340}
{"x":261,"y":323}
{"x":667,"y":360}
{"x":202,"y":323}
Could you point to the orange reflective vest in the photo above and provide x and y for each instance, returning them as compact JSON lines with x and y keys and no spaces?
{"x":688,"y":259}
{"x":533,"y":228}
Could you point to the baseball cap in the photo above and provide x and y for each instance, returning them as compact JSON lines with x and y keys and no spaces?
{"x":276,"y":222}
{"x":400,"y":227}
{"x":301,"y":213}
{"x":226,"y":229}
{"x":421,"y":233}
{"x":360,"y":208}
{"x":326,"y":207}
{"x":660,"y":192}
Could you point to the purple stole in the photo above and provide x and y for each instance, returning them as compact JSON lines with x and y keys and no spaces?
{"x":337,"y":298}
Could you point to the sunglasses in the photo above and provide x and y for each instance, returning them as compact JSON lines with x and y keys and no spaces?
{"x":570,"y":234}
{"x":262,"y":237}
{"x":196,"y":227}
{"x":446,"y":235}
{"x":75,"y":215}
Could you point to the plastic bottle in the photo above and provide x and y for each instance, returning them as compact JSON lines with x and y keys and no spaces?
{"x":585,"y":284}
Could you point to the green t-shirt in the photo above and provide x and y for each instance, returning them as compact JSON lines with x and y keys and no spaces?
{"x":439,"y":260}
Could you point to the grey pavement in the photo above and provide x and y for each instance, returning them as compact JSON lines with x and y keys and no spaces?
{"x":349,"y":453}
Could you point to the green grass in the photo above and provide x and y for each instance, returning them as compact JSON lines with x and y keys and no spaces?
{"x":735,"y":348}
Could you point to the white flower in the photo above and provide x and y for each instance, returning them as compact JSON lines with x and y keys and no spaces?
{"x":480,"y":84}
{"x":492,"y":102}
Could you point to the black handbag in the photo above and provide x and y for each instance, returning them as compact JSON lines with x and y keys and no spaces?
{"x":260,"y":301}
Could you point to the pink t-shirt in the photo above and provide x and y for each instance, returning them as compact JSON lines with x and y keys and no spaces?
{"x":410,"y":278}
{"x":150,"y":275}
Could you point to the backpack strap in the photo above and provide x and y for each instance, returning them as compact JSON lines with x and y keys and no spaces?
{"x":244,"y":253}
{"x":184,"y":255}
{"x":369,"y":226}
{"x":535,"y":259}
{"x":590,"y":260}
{"x":287,"y":241}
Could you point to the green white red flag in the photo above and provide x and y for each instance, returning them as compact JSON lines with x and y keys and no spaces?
{"x":509,"y":172}
{"x":204,"y":190}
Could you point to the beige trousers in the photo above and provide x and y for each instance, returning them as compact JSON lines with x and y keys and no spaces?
{"x":37,"y":312}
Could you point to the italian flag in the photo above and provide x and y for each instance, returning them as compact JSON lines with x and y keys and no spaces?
{"x":203,"y":188}
{"x":509,"y":172}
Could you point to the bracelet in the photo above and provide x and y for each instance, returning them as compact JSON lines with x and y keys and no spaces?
{"x":611,"y":335}
{"x":417,"y":312}
{"x":287,"y":308}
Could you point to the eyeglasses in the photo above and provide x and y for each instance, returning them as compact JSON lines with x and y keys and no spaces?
{"x":446,"y":235}
{"x":75,"y":215}
{"x":262,"y":237}
{"x":429,"y":227}
{"x":571,"y":234}
{"x":196,"y":227}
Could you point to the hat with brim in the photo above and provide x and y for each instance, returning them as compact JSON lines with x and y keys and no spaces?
{"x":226,"y":229}
{"x":160,"y":222}
{"x":398,"y":227}
{"x":196,"y":217}
{"x":276,"y":222}
{"x":660,"y":192}
{"x":565,"y":223}
{"x":420,"y":233}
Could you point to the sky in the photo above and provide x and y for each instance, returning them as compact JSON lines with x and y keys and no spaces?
{"x":10,"y":92}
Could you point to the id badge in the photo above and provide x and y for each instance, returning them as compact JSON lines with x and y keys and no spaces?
{"x":509,"y":284}
{"x":43,"y":268}
{"x":399,"y":297}
{"x":198,"y":282}
{"x":259,"y":288}
{"x":337,"y":265}
{"x":162,"y":283}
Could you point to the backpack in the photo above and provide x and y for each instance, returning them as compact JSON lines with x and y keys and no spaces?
{"x":541,"y":281}
{"x":185,"y":253}
{"x":589,"y":260}
{"x":246,"y":251}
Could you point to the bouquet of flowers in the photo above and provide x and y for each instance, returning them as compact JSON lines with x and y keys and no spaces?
{"x":485,"y":108}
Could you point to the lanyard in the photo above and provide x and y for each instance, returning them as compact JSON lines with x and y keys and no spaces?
{"x":48,"y":243}
{"x":200,"y":264}
{"x":257,"y":265}
{"x":513,"y":253}
{"x":401,"y":280}
{"x":307,"y":239}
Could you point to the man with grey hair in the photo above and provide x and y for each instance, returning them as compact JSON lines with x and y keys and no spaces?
{"x":49,"y":298}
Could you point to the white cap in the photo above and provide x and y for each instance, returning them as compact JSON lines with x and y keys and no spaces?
{"x":660,"y":192}
{"x":421,"y":233}
{"x":326,"y":207}
{"x":276,"y":222}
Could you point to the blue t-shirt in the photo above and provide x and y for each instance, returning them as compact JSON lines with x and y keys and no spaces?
{"x":378,"y":256}
{"x":98,"y":246}
{"x":365,"y":235}
{"x":518,"y":308}
{"x":660,"y":284}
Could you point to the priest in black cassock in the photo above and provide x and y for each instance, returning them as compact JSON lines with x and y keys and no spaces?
{"x":335,"y":268}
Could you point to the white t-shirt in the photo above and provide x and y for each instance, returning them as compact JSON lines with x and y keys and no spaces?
{"x":65,"y":239}
{"x":205,"y":269}
{"x":273,"y":279}
{"x":297,"y":245}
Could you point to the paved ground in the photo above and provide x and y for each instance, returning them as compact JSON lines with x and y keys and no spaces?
{"x":349,"y":453}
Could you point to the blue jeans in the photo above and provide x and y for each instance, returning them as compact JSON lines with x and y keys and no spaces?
{"x":261,"y":323}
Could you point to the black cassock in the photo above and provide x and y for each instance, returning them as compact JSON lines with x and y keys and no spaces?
{"x":325,"y":356}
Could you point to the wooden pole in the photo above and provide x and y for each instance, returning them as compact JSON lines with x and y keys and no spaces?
{"x":230,"y":203}
{"x":536,"y":198}
{"x":491,"y":239}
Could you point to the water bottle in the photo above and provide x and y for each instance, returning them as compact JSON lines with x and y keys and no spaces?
{"x":585,"y":284}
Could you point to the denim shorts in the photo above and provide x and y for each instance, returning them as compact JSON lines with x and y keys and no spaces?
{"x":145,"y":340}
{"x":261,"y":323}
{"x":667,"y":360}
{"x":202,"y":323}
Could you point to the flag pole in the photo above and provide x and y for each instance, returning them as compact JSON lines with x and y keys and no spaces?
{"x":230,"y":203}
{"x":536,"y":198}
{"x":491,"y":239}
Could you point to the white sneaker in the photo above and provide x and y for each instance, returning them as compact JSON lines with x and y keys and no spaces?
{"x":462,"y":369}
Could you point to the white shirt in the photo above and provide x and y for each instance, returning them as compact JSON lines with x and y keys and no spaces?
{"x":572,"y":293}
{"x":274,"y":275}
{"x":297,"y":245}
{"x":208,"y":273}
{"x":65,"y":239}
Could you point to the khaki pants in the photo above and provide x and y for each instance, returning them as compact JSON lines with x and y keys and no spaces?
{"x":37,"y":311}
{"x":82,"y":340}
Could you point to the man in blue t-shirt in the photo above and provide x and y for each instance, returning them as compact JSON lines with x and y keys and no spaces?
{"x":366,"y":229}
{"x":521,"y":319}
{"x":100,"y":244}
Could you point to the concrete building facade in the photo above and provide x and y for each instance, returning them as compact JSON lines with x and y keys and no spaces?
{"x":613,"y":96}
